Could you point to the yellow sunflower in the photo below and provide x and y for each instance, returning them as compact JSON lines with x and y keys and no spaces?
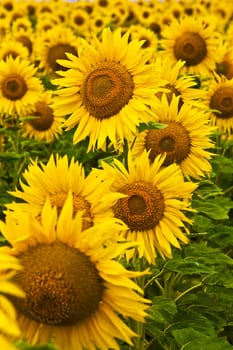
{"x":20,"y":89}
{"x":177,"y":83}
{"x":78,"y":19}
{"x":153,"y":208}
{"x":9,"y":266}
{"x":22,"y":23}
{"x":77,"y":294}
{"x":26,"y":38}
{"x":194,"y":41}
{"x":220,"y":100}
{"x":45,"y":22}
{"x":98,"y":21}
{"x":55,"y":179}
{"x":142,"y":33}
{"x":185,"y":139}
{"x":53,"y":45}
{"x":4,"y":27}
{"x":107,"y":90}
{"x":43,"y":125}
{"x":225,"y":65}
{"x":11,"y":47}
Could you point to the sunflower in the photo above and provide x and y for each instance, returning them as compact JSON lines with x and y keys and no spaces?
{"x":144,"y":13}
{"x":4,"y":27}
{"x":11,"y":47}
{"x":26,"y":38}
{"x":76,"y":290}
{"x":78,"y":19}
{"x":9,"y":266}
{"x":220,"y":101}
{"x":225,"y":65}
{"x":22,"y":23}
{"x":185,"y":139}
{"x":98,"y":21}
{"x":142,"y":33}
{"x":45,"y":22}
{"x":43,"y":125}
{"x":55,"y":179}
{"x":107,"y":90}
{"x":194,"y":41}
{"x":177,"y":83}
{"x":54,"y":45}
{"x":19,"y":87}
{"x":153,"y":206}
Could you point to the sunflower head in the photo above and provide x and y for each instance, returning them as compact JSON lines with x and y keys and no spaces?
{"x":107,"y":99}
{"x":74,"y":285}
{"x":147,"y":208}
{"x":20,"y":88}
{"x":9,"y":267}
{"x":184,"y":140}
{"x":192,"y":40}
{"x":220,"y":102}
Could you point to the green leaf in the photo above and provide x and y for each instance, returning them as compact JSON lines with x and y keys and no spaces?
{"x":162,"y":310}
{"x":222,"y":237}
{"x":190,"y":319}
{"x":207,"y":187}
{"x":9,"y":156}
{"x":190,"y":339}
{"x":223,"y":164}
{"x":216,"y":208}
{"x":208,"y":256}
{"x":151,"y":125}
{"x":188,"y":266}
{"x":201,"y":223}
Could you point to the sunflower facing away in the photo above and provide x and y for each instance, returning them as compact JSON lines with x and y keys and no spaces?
{"x":193,"y":41}
{"x":19,"y":87}
{"x":107,"y":90}
{"x":76,"y":291}
{"x":9,"y":266}
{"x":153,"y":206}
{"x":185,"y":138}
{"x":220,"y":100}
{"x":55,"y":179}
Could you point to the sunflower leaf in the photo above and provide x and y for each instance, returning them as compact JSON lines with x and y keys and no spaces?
{"x":151,"y":125}
{"x":191,"y":339}
{"x":216,"y":208}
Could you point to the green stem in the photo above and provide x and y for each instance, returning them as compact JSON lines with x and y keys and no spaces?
{"x":140,"y":327}
{"x":154,"y":278}
{"x":187,"y":291}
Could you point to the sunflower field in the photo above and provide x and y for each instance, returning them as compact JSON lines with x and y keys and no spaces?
{"x":116,"y":175}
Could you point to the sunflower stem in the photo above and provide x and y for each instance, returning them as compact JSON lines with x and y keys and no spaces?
{"x":125,"y":154}
{"x":140,"y":327}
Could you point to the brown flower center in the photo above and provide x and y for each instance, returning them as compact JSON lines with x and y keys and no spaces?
{"x":59,"y":52}
{"x":142,"y":209}
{"x":107,"y":89}
{"x":9,"y":53}
{"x":62,"y":285}
{"x":174,"y":140}
{"x":14,"y":87}
{"x":23,"y":39}
{"x":79,"y":20}
{"x":190,"y":47}
{"x":45,"y":117}
{"x":225,"y":68}
{"x":222,"y":100}
{"x":79,"y":204}
{"x":169,"y":94}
